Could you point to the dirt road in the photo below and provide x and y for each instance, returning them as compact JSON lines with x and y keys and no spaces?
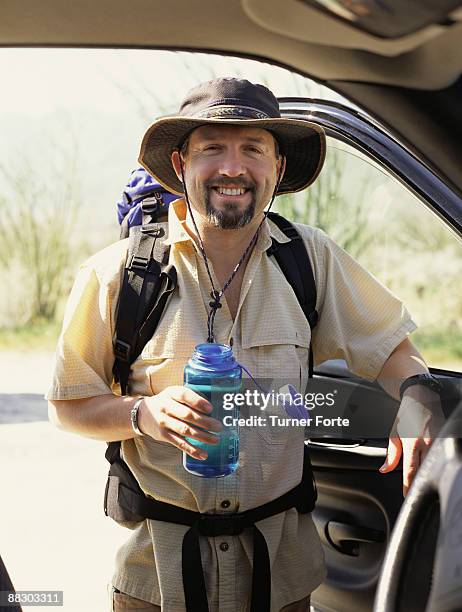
{"x":53,"y":532}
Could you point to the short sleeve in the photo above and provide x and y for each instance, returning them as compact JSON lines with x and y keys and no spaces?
{"x":360,"y":320}
{"x":84,"y":355}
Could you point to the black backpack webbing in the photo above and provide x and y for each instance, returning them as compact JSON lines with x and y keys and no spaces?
{"x":302,"y":497}
{"x":147,"y":284}
{"x":295,"y":264}
{"x":153,"y":204}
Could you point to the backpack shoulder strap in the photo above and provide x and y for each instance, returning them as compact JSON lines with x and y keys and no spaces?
{"x":148,"y":282}
{"x":295,"y":264}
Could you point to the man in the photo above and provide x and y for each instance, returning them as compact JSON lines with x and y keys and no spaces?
{"x":229,"y":152}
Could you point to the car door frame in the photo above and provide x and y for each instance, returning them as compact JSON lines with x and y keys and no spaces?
{"x":337,"y":463}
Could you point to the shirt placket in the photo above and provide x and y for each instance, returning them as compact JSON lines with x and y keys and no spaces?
{"x":226,"y":502}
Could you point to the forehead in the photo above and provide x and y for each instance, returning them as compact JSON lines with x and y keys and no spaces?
{"x":217,"y":132}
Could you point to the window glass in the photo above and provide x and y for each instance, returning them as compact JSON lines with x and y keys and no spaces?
{"x":397,"y":238}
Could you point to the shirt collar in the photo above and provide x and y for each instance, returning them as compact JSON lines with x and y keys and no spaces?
{"x":178,"y":233}
{"x":176,"y":218}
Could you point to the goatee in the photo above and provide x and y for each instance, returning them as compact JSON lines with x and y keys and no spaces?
{"x":230,"y":217}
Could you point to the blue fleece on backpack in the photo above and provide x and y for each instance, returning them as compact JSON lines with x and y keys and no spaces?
{"x":139,"y":184}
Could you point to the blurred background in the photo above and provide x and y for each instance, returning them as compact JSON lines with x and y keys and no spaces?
{"x":71,"y":122}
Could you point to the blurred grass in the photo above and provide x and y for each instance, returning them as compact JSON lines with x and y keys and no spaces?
{"x":42,"y":335}
{"x":440,"y":349}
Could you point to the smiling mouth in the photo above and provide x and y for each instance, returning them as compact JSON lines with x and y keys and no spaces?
{"x":227,"y":192}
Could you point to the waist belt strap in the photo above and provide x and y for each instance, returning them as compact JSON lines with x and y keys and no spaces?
{"x":302,"y":497}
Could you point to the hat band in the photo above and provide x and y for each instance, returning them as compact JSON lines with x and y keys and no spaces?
{"x":237,"y":112}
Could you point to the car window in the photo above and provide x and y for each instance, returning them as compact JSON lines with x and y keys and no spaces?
{"x":397,"y":238}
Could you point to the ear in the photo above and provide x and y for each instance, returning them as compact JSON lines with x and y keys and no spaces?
{"x":281,"y":166}
{"x":176,"y":163}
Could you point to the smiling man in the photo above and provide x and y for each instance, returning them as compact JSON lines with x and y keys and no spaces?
{"x":228,"y":153}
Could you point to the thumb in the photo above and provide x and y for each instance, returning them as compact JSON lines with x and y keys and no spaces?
{"x":394,"y":452}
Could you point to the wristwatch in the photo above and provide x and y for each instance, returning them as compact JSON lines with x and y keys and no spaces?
{"x":428,"y":380}
{"x":134,"y":416}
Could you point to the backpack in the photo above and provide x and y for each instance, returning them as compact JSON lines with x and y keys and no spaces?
{"x":148,"y":282}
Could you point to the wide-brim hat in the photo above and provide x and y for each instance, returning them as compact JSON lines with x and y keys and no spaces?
{"x":229,"y":101}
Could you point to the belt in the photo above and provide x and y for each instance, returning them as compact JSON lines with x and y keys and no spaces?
{"x":302,"y":497}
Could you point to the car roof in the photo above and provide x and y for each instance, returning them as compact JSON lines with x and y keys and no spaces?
{"x":394,"y":79}
{"x":288,"y":31}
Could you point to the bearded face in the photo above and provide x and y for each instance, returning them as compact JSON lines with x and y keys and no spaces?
{"x":230,"y":173}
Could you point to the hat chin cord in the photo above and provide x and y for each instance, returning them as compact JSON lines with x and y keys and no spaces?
{"x":216,"y":295}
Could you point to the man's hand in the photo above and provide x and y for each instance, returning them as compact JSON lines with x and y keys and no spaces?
{"x":417,"y":423}
{"x":177,"y":413}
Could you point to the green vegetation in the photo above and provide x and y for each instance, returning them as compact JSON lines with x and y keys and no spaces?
{"x":38,"y":242}
{"x":442,"y":349}
{"x":397,"y":239}
{"x":41,"y":335}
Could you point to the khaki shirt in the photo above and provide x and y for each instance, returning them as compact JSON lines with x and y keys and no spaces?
{"x":359,"y":321}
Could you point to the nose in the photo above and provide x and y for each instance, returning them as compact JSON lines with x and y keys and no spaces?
{"x":231,"y":163}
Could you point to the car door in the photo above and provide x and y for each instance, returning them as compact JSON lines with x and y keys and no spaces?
{"x":7,"y":592}
{"x":401,"y":221}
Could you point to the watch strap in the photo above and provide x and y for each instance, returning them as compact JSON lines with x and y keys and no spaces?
{"x":134,"y":416}
{"x":428,"y":380}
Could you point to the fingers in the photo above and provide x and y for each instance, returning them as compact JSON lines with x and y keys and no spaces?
{"x":394,"y":452}
{"x":186,"y":396}
{"x":411,"y":461}
{"x":413,"y":451}
{"x":185,"y":446}
{"x":190,"y":415}
{"x":428,"y":435}
{"x":178,"y":413}
{"x":186,"y":430}
{"x":414,"y":454}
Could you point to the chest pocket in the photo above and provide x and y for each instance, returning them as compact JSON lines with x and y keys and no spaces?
{"x":276,"y":359}
{"x":176,"y":335}
{"x":164,"y":356}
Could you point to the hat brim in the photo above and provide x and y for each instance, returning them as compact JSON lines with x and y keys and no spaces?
{"x":303,"y":144}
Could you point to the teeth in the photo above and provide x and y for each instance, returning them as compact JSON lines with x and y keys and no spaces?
{"x":231,"y":192}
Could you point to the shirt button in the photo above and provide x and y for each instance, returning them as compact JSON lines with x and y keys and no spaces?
{"x":225,"y":503}
{"x":224,"y":546}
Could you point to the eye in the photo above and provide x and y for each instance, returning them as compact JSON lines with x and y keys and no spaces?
{"x":212,"y":147}
{"x":253,"y":149}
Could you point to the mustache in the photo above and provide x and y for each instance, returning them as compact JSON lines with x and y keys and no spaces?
{"x":233,"y":183}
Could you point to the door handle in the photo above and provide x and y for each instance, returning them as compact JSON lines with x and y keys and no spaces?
{"x":346,"y":538}
{"x":328,"y":441}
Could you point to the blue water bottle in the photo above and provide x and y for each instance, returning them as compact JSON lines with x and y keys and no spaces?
{"x":211,"y":372}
